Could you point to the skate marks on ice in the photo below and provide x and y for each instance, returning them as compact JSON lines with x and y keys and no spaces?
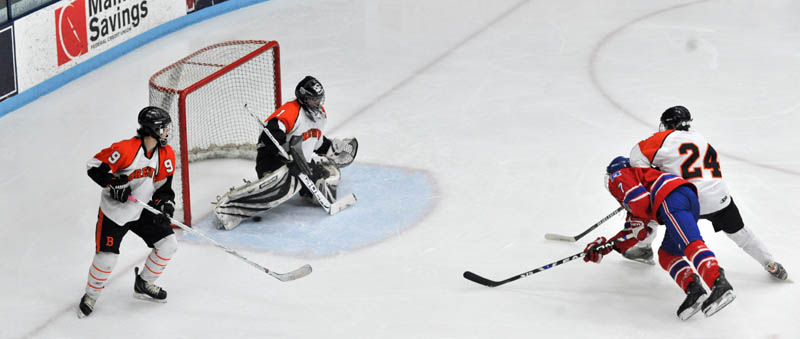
{"x":390,"y":201}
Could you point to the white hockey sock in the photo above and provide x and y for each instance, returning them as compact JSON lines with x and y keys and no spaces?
{"x":102,"y":265}
{"x":752,"y":245}
{"x":159,"y":257}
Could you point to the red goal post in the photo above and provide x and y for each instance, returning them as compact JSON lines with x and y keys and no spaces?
{"x":205,"y":93}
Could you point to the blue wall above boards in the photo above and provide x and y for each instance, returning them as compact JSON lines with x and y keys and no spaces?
{"x":14,"y":102}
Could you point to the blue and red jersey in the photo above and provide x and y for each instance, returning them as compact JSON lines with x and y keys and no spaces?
{"x":642,"y":190}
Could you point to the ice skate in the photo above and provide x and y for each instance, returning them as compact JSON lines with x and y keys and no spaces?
{"x":86,"y":306}
{"x":777,"y":270}
{"x":147,"y":291}
{"x":721,"y":295}
{"x":640,"y":254}
{"x":695,"y":295}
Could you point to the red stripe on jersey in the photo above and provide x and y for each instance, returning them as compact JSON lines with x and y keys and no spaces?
{"x":651,"y":145}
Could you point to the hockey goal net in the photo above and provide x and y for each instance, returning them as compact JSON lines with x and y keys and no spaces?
{"x":208,"y":94}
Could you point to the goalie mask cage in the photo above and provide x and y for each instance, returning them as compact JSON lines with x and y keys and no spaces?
{"x":205,"y":93}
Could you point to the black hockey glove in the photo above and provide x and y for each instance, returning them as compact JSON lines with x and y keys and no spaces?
{"x":167,"y":208}
{"x":119,"y":188}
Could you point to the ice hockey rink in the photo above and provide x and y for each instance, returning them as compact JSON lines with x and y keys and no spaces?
{"x":482,"y":126}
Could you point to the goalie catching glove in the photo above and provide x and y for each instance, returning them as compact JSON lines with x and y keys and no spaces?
{"x":342,"y":151}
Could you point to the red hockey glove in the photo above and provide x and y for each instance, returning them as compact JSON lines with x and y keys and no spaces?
{"x":638,"y":228}
{"x":595,"y":250}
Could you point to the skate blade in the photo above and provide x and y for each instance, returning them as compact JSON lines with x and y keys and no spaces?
{"x":689,"y":312}
{"x":145,"y":297}
{"x":646,"y":261}
{"x":80,"y":313}
{"x":643,"y":261}
{"x":723,"y":301}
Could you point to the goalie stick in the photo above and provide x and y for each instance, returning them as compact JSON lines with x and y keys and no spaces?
{"x":298,"y":273}
{"x":491,"y":283}
{"x":553,"y":236}
{"x":330,"y":207}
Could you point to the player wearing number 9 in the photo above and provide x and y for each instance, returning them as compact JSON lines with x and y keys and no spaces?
{"x":678,"y":150}
{"x":141,"y":166}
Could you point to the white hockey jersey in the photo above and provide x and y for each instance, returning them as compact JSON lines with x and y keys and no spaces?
{"x":145,"y":175}
{"x":688,"y":154}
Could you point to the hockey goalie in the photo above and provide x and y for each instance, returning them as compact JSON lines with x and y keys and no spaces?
{"x":305,"y":153}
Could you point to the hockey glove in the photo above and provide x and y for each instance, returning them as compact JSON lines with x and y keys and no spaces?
{"x":119,"y":188}
{"x":638,"y":228}
{"x":635,"y":230}
{"x":342,"y":151}
{"x":595,"y":250}
{"x":167,"y":208}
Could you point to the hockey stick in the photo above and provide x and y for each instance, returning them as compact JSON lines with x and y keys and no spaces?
{"x":491,"y":283}
{"x":553,"y":236}
{"x":330,"y":207}
{"x":298,"y":273}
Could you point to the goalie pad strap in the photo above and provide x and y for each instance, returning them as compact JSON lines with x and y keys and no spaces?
{"x":246,"y":201}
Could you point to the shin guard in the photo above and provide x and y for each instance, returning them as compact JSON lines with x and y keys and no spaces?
{"x":678,"y":268}
{"x":102,"y":265}
{"x":159,"y":257}
{"x":704,"y":261}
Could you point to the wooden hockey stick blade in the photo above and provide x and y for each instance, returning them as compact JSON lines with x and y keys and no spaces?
{"x":340,"y":204}
{"x":300,"y":272}
{"x":553,"y":236}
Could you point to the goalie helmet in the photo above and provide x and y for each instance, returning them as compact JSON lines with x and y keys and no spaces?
{"x":311,"y":96}
{"x":153,"y":122}
{"x":676,"y":117}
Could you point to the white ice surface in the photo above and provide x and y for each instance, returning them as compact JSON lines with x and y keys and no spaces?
{"x":512,"y":109}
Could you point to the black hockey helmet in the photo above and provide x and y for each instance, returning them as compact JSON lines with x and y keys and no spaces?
{"x":154,"y":121}
{"x":676,"y":117}
{"x":311,"y":96}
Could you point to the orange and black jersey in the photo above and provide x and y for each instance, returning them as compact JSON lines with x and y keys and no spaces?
{"x":149,"y":175}
{"x":286,"y":122}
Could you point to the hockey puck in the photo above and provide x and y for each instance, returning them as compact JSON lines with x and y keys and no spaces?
{"x":257,"y":218}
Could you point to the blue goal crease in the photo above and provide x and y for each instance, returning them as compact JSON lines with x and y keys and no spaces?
{"x":21,"y":99}
{"x":298,"y":228}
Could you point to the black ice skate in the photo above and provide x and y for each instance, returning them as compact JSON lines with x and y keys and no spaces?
{"x":721,"y":295}
{"x":777,"y":271}
{"x":147,"y":291}
{"x":639,"y":254}
{"x":695,"y":295}
{"x":86,"y":306}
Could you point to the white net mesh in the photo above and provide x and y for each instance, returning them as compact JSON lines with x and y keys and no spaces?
{"x":218,"y":85}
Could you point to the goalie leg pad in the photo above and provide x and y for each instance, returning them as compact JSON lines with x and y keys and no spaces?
{"x":246,"y":201}
{"x":326,"y":179}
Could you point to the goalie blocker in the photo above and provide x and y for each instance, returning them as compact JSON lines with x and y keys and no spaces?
{"x":252,"y":198}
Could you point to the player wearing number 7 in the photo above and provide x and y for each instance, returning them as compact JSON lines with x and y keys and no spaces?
{"x":677,"y":150}
{"x":141,"y":166}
